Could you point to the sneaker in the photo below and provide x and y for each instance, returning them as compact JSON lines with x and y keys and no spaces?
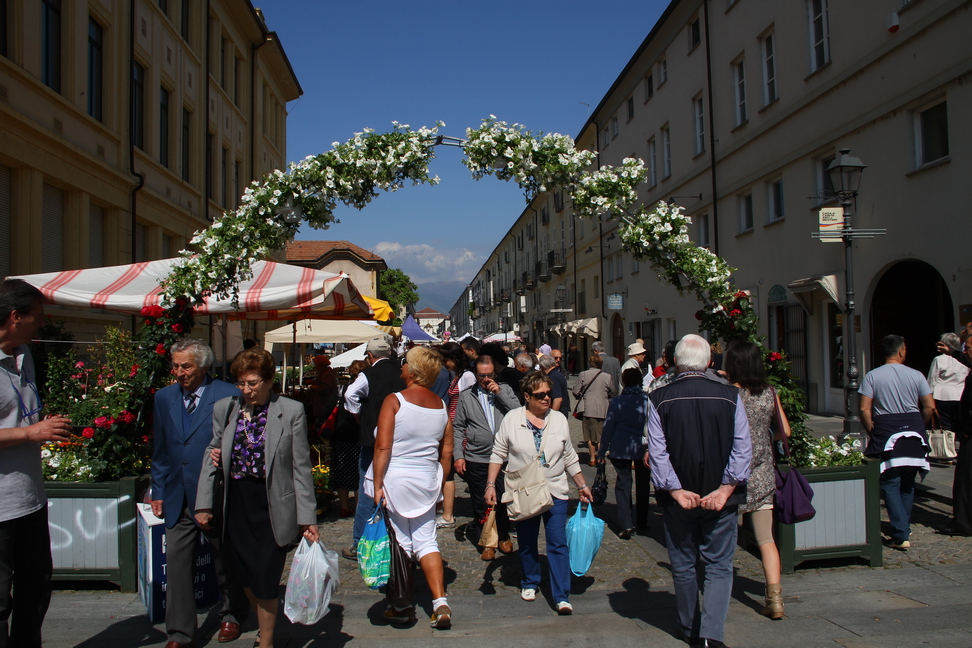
{"x":564,"y":608}
{"x":904,"y":544}
{"x":528,"y":594}
{"x":442,"y":523}
{"x":398,"y":616}
{"x":441,"y":618}
{"x":351,"y":553}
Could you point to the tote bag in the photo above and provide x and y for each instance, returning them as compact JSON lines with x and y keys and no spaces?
{"x":527,"y":494}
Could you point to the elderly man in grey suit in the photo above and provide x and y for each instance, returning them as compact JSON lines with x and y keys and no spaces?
{"x":183,"y":429}
{"x":609,"y":365}
{"x":480,"y":411}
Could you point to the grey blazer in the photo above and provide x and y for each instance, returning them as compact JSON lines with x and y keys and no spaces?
{"x":594,"y":404}
{"x":290,"y":484}
{"x":472,"y":438}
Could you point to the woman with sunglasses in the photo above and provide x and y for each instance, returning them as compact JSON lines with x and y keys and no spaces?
{"x":517,"y":443}
{"x":269,"y":501}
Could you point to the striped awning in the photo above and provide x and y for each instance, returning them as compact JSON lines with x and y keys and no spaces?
{"x":276,"y":291}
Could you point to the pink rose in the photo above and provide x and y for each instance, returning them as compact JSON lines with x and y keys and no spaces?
{"x":87,"y":433}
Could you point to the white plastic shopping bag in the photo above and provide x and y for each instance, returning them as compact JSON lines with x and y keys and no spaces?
{"x":313,"y":579}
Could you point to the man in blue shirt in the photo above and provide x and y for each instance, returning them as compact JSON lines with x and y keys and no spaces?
{"x":700,"y":452}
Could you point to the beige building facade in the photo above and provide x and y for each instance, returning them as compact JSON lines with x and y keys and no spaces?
{"x":361,"y":265}
{"x":737,"y":108}
{"x":126,"y":126}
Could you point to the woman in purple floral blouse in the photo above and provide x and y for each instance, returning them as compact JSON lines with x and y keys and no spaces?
{"x":269,"y":502}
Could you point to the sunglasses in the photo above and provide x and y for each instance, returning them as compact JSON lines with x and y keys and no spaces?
{"x":540,"y":395}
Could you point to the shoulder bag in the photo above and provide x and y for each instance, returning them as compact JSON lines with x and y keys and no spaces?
{"x":794,"y":497}
{"x":580,"y":415}
{"x":942,"y":441}
{"x":527,"y":493}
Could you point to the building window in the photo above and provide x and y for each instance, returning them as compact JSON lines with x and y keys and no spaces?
{"x":770,"y":93}
{"x":597,"y":287}
{"x":52,"y":206}
{"x":164,"y":127}
{"x":184,"y":20}
{"x":662,"y":71}
{"x":775,"y":199}
{"x":825,"y":187}
{"x":236,"y":184}
{"x":605,"y":137}
{"x":666,"y":151}
{"x":739,"y":74}
{"x":51,"y":44}
{"x":619,"y":274}
{"x":652,"y":164}
{"x":186,"y":141}
{"x":237,"y":80}
{"x":695,"y":33}
{"x":649,"y":87}
{"x":224,"y":177}
{"x":698,"y":116}
{"x":95,"y":68}
{"x":164,"y":6}
{"x":138,"y":105}
{"x":819,"y":34}
{"x":746,"y":212}
{"x":702,"y":230}
{"x":614,"y":127}
{"x":630,"y":108}
{"x":558,"y":205}
{"x":932,"y":135}
{"x":96,"y":236}
{"x":222,"y":62}
{"x":210,"y":184}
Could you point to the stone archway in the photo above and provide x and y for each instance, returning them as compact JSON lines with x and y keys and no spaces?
{"x":911,"y":299}
{"x":617,"y":337}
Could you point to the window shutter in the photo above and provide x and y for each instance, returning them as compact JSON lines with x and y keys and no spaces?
{"x":96,"y":236}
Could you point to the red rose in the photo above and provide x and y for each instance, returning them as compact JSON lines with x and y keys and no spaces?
{"x":735,"y":312}
{"x":87,"y":433}
{"x":774,"y":356}
{"x":103,"y":422}
{"x":145,"y":438}
{"x":146,"y":311}
{"x":126,"y":417}
{"x":740,"y":293}
{"x":176,"y":327}
{"x":698,"y":315}
{"x":157,"y":311}
{"x":160,"y":349}
{"x":182,"y":301}
{"x":134,"y":371}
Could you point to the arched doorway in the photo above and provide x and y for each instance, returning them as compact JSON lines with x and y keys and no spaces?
{"x":617,"y":337}
{"x":911,"y":300}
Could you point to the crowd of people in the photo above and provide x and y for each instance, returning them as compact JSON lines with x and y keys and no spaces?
{"x":232,"y":462}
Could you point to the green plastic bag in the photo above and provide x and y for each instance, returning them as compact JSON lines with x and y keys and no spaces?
{"x":374,"y":552}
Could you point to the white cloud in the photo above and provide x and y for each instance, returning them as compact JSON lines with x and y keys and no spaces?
{"x":425,"y":263}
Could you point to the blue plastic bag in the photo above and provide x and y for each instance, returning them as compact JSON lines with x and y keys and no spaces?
{"x":584,"y":535}
{"x":374,"y":552}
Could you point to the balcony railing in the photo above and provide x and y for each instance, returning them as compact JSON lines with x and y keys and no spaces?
{"x":528,"y":280}
{"x":543,"y":271}
{"x":556,"y":260}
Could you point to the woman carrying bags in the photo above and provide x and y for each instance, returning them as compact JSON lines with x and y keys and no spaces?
{"x":525,"y":433}
{"x":743,"y":364}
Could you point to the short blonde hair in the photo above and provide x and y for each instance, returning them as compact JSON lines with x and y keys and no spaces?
{"x":423,"y":365}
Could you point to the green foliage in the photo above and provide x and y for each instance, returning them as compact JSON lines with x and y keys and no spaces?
{"x":397,"y":288}
{"x":42,"y":352}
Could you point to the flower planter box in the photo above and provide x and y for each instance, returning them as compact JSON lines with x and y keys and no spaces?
{"x":847,"y":523}
{"x":93,"y":530}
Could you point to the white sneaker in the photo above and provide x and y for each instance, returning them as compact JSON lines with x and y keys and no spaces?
{"x":528,"y":594}
{"x":564,"y":608}
{"x":442,"y":523}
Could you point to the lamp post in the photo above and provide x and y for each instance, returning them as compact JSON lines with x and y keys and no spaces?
{"x":561,"y":292}
{"x":845,"y":177}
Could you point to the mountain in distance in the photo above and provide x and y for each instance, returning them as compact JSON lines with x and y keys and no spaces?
{"x":440,"y":295}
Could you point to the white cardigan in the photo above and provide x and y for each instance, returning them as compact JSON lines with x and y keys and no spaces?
{"x":514,"y":444}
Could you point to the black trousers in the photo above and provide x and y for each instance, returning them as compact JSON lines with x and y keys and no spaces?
{"x":181,"y":545}
{"x":476,"y":476}
{"x":623,"y":494}
{"x":642,"y":492}
{"x":25,"y":579}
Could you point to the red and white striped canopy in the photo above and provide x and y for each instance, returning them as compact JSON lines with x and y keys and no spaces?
{"x":277,"y":291}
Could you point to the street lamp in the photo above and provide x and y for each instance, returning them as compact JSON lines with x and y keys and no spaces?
{"x":561,"y":292}
{"x":845,"y":177}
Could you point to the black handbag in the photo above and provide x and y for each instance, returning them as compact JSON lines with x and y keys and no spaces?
{"x":401,"y":578}
{"x":599,"y":489}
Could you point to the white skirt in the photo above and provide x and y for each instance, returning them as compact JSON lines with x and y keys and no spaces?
{"x":411,"y":488}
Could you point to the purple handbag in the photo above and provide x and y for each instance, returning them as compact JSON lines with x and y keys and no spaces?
{"x":794,"y":497}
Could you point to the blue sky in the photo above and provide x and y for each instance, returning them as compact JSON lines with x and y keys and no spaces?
{"x":368,"y":63}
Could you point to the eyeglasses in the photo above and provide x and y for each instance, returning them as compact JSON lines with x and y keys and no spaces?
{"x":26,"y":412}
{"x":489,"y":375}
{"x":251,"y":384}
{"x":540,"y":395}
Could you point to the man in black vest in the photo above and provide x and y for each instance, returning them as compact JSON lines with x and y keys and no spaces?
{"x":700,"y":451}
{"x":363,"y":399}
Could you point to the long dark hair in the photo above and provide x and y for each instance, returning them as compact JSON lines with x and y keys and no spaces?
{"x":743,"y":363}
{"x":454,"y":352}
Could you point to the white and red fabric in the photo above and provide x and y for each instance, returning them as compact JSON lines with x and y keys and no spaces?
{"x":276,"y":291}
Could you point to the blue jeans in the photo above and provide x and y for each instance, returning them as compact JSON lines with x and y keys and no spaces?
{"x":898,"y":492}
{"x":366,"y":505}
{"x":706,"y":537}
{"x":555,"y":529}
